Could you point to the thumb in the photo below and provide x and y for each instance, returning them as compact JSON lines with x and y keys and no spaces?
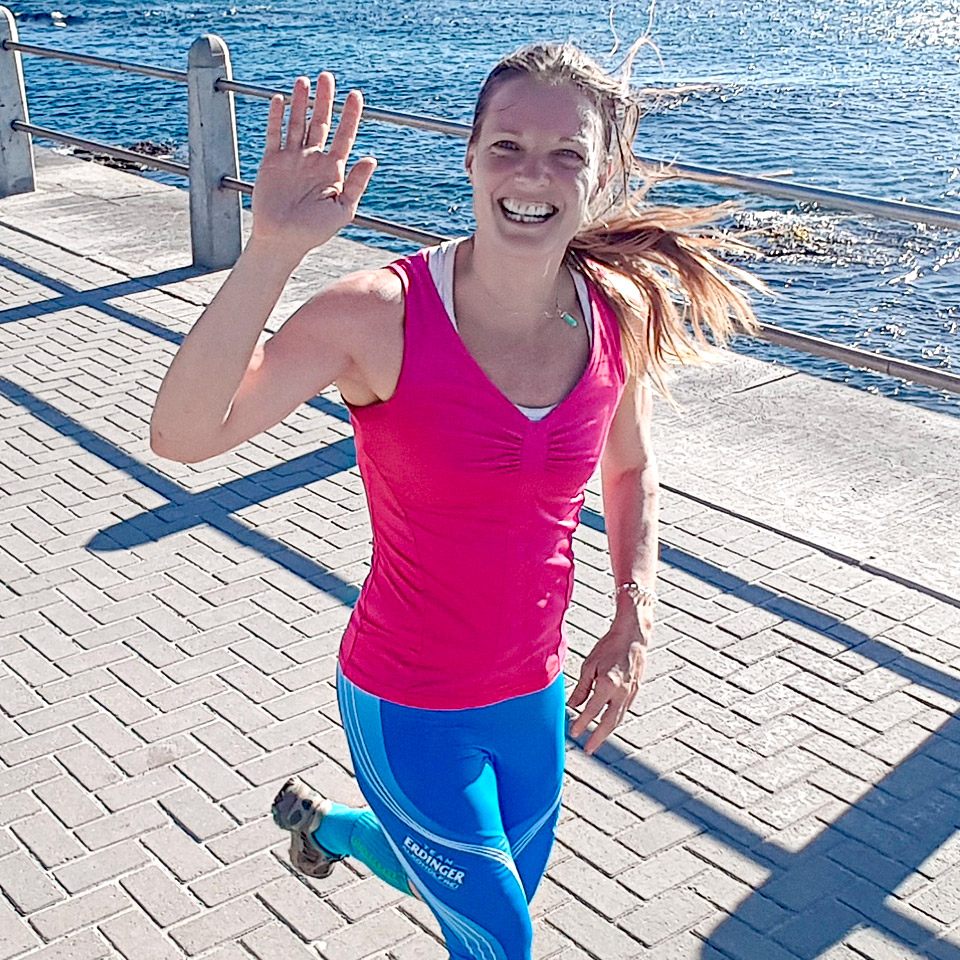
{"x":584,"y":684}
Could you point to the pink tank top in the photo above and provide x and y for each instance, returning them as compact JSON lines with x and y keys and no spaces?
{"x":473,"y":508}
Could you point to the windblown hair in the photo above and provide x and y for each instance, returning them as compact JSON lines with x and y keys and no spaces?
{"x":658,"y":271}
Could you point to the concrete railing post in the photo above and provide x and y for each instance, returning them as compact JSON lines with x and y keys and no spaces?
{"x":16,"y":146}
{"x":214,"y":212}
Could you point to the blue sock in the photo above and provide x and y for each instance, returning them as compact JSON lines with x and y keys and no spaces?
{"x":357,"y":833}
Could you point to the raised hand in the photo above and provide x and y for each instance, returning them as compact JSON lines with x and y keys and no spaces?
{"x":303,"y":194}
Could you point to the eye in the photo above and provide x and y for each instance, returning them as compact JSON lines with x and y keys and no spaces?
{"x":570,"y":155}
{"x":506,"y":145}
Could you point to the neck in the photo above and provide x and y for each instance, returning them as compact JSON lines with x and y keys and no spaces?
{"x":525,"y":291}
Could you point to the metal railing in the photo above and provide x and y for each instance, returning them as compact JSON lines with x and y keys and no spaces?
{"x":213,"y":175}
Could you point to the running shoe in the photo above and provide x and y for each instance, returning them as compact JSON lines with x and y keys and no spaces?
{"x":299,"y":809}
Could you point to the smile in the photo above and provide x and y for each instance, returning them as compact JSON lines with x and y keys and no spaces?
{"x":518,"y":211}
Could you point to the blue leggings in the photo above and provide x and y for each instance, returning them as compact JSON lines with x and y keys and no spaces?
{"x":467,"y":801}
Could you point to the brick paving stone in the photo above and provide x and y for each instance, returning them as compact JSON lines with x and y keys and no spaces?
{"x":165,"y":901}
{"x":229,"y":922}
{"x":360,"y":899}
{"x":147,"y":786}
{"x":96,"y":868}
{"x":136,"y":938}
{"x":79,"y":911}
{"x":243,"y":877}
{"x":182,"y":855}
{"x":594,"y":846}
{"x":211,"y":776}
{"x":607,"y":897}
{"x":367,"y":936}
{"x":592,"y":806}
{"x":779,"y":770}
{"x":196,"y":814}
{"x":156,"y":755}
{"x":273,"y":940}
{"x":71,"y":805}
{"x":790,"y":804}
{"x":809,"y":933}
{"x":281,"y":764}
{"x":658,"y":833}
{"x":47,"y":839}
{"x":26,"y":885}
{"x":123,"y":704}
{"x":661,"y":872}
{"x":666,"y":916}
{"x":227,"y":743}
{"x":132,"y":822}
{"x":81,"y":946}
{"x":722,"y":782}
{"x":15,"y":936}
{"x":592,"y":933}
{"x":300,"y":908}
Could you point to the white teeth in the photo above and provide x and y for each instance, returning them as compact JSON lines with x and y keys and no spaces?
{"x":527,"y":212}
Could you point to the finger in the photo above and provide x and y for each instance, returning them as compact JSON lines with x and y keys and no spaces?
{"x":603,"y":730}
{"x":275,"y":123}
{"x":322,"y":111}
{"x":608,"y":723}
{"x":346,"y":134}
{"x":357,"y":181}
{"x":589,"y":713}
{"x":298,"y":113}
{"x":582,"y":689}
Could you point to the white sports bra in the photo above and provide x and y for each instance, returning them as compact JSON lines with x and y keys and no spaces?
{"x":440,"y":261}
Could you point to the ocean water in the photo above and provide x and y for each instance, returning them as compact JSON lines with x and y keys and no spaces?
{"x":857,"y":95}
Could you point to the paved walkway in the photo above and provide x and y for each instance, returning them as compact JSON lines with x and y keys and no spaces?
{"x":787,"y":786}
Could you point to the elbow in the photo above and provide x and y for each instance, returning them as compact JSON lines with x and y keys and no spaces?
{"x":179,"y":452}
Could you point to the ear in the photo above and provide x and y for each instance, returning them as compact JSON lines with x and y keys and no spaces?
{"x":468,"y":159}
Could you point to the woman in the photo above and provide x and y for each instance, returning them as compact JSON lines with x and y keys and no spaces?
{"x":486,"y":379}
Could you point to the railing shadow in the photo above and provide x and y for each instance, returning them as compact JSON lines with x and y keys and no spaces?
{"x":97,"y":297}
{"x":180,"y":513}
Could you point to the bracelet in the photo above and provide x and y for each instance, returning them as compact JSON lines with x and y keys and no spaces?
{"x":638,"y":593}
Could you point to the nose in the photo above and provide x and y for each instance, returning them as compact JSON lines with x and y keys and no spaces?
{"x":532,"y":169}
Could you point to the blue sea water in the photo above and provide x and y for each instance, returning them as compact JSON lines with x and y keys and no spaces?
{"x":857,"y":95}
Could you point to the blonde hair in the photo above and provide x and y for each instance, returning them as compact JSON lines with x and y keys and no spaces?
{"x":644,"y":258}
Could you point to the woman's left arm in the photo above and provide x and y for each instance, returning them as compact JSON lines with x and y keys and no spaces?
{"x":611,"y":674}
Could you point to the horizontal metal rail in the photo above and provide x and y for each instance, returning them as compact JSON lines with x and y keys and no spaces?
{"x":835,"y":199}
{"x":433,"y":124}
{"x":177,"y":76}
{"x":399,"y":230}
{"x":857,"y":357}
{"x":119,"y":153}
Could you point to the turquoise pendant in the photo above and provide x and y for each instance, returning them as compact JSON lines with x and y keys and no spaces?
{"x":571,"y":320}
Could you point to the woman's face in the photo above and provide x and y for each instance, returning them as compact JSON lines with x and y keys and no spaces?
{"x":535,"y":164}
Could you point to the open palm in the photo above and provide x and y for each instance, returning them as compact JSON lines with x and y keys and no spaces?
{"x":303,"y":194}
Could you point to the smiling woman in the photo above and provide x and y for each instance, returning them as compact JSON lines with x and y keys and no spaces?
{"x":486,"y":378}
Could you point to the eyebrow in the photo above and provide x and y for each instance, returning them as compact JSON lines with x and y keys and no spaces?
{"x":581,"y":141}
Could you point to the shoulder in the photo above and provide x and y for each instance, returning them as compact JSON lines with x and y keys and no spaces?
{"x":365,"y":294}
{"x":361,"y":315}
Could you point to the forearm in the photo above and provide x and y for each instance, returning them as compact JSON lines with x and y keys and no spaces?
{"x":195,"y":396}
{"x":631,"y":507}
